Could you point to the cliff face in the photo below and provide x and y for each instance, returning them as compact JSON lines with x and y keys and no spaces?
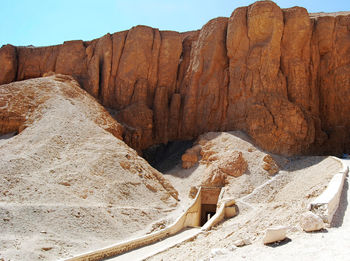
{"x":281,"y":75}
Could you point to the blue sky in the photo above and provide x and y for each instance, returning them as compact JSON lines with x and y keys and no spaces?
{"x":48,"y":22}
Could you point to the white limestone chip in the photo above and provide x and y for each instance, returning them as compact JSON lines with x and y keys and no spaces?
{"x":274,"y":234}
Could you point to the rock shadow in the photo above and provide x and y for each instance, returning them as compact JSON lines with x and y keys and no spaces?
{"x":165,"y":157}
{"x":338,"y":217}
{"x":302,"y":161}
{"x":8,"y":135}
{"x":279,"y":243}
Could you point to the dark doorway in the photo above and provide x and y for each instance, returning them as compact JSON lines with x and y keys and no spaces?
{"x":207,"y":212}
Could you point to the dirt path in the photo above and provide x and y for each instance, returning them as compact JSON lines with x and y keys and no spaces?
{"x":147,"y":251}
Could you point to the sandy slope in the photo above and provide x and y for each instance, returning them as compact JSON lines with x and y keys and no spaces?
{"x":67,"y":184}
{"x":221,"y":144}
{"x":330,"y":244}
{"x":277,"y":200}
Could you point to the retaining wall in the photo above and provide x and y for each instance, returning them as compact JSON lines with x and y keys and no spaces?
{"x":327,"y":203}
{"x":190,"y":218}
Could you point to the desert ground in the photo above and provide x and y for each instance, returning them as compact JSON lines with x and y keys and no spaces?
{"x":279,"y":203}
{"x":70,"y":185}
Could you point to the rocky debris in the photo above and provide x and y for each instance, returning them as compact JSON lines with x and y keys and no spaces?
{"x":270,"y":165}
{"x":251,"y":150}
{"x":191,"y":157}
{"x":193,"y":192}
{"x":46,"y":248}
{"x":233,"y":164}
{"x":214,"y":177}
{"x":311,"y":222}
{"x":218,"y":252}
{"x":274,"y":234}
{"x":267,"y":71}
{"x":208,"y":154}
{"x":220,"y":162}
{"x":166,"y":184}
{"x":159,"y":225}
{"x":242,"y":242}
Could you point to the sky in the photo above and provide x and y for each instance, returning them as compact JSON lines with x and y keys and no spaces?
{"x":49,"y":22}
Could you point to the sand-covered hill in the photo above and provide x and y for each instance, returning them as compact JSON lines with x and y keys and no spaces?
{"x":264,"y":198}
{"x":68,"y":183}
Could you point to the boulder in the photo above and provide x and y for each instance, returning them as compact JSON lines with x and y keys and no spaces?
{"x":242,"y":242}
{"x":218,"y":252}
{"x":214,"y":178}
{"x":191,"y":157}
{"x":270,"y":165}
{"x":275,"y":234}
{"x":311,"y":222}
{"x":193,"y":192}
{"x":233,"y":164}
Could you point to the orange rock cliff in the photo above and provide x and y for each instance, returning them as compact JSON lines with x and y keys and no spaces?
{"x":281,"y":75}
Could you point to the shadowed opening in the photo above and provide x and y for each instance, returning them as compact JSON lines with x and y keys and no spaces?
{"x":164,"y":157}
{"x":207,"y":212}
{"x":209,"y":200}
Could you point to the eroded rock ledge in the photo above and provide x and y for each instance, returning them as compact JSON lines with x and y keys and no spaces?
{"x":281,"y":75}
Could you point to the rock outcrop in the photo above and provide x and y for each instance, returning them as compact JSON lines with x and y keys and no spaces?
{"x":191,"y":157}
{"x":270,"y":165}
{"x":281,"y":75}
{"x":233,"y":164}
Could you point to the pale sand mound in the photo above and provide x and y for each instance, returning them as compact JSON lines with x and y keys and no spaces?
{"x":67,"y":184}
{"x":263,"y":200}
{"x":217,"y":146}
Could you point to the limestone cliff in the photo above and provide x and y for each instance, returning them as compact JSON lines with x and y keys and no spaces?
{"x":281,"y":75}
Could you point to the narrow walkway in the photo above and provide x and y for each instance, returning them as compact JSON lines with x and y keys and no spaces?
{"x":150,"y":250}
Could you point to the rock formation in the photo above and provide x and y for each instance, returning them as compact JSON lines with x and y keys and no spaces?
{"x":270,"y":165}
{"x":281,"y":75}
{"x":191,"y":157}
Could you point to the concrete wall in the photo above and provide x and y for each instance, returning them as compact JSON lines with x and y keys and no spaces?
{"x":191,"y":218}
{"x":327,"y":203}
